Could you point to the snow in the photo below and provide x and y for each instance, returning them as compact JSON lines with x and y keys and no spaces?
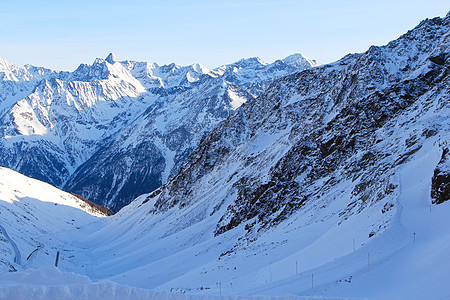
{"x":300,"y":61}
{"x":50,"y":283}
{"x":34,"y":218}
{"x":17,"y":255}
{"x":132,"y":252}
{"x":18,"y":190}
{"x":236,"y":99}
{"x":129,"y":255}
{"x":395,"y":265}
{"x":324,"y":249}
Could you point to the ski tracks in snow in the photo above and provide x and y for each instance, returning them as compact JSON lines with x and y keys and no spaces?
{"x":18,"y":256}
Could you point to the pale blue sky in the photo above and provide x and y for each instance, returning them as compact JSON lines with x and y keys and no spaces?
{"x":62,"y":34}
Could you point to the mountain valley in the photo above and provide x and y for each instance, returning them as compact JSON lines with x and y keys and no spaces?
{"x":281,"y":179}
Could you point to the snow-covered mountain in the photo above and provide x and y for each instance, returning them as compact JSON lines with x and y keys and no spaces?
{"x":333,"y":182}
{"x":57,"y":126}
{"x":113,"y":130}
{"x":320,"y":186}
{"x":351,"y":123}
{"x":242,"y":72}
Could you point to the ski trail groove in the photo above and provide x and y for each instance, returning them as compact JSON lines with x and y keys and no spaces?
{"x":18,"y":257}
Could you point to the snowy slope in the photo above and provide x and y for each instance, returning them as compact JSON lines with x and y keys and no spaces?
{"x":50,"y":283}
{"x":52,"y":130}
{"x":59,"y":126}
{"x":327,"y":184}
{"x":341,"y":258}
{"x":399,"y":267}
{"x":34,"y":218}
{"x":328,"y":172}
{"x":255,"y":75}
{"x":153,"y":147}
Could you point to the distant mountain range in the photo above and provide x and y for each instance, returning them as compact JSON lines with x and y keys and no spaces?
{"x":113,"y":130}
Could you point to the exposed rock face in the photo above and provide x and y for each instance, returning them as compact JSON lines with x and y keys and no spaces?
{"x":340,"y":131}
{"x":113,"y":130}
{"x":440,"y":186}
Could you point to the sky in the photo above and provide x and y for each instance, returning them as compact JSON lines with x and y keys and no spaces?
{"x":62,"y":34}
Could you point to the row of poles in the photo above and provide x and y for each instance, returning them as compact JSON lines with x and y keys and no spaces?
{"x":296,"y":264}
{"x":354,"y":249}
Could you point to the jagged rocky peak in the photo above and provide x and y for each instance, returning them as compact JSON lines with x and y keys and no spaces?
{"x":332,"y":134}
{"x":200,"y":68}
{"x":111,"y":58}
{"x":108,"y":70}
{"x":87,"y":73}
{"x":11,"y":72}
{"x":170,"y":105}
{"x":154,"y":76}
{"x":252,"y":62}
{"x":8,"y":71}
{"x":244,"y":64}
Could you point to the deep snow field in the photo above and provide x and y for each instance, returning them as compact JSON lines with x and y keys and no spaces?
{"x":129,"y":256}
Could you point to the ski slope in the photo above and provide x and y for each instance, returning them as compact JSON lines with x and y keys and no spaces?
{"x":17,"y":255}
{"x":35,"y":218}
{"x":409,"y":260}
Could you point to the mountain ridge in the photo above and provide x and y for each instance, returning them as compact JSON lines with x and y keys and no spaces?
{"x":332,"y":182}
{"x":380,"y":92}
{"x":66,"y":118}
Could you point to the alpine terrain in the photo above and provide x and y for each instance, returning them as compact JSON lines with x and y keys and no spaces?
{"x":328,"y":182}
{"x":113,"y":130}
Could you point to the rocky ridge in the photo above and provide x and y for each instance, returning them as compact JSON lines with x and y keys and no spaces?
{"x":334,"y":134}
{"x":113,"y":130}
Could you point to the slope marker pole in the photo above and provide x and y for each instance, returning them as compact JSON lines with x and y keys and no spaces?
{"x":57,"y":258}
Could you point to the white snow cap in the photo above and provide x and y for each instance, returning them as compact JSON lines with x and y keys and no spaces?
{"x":7,"y":67}
{"x":252,"y":61}
{"x":299,"y":60}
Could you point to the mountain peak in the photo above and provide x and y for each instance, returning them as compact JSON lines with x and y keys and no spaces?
{"x":293,"y":57}
{"x":6,"y":65}
{"x":197,"y":67}
{"x":252,"y":61}
{"x":111,"y":58}
{"x":300,"y":61}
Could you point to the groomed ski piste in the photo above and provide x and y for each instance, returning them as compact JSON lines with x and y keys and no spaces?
{"x":118,"y":258}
